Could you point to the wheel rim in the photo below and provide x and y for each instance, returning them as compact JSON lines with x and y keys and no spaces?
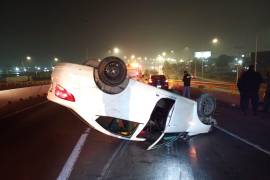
{"x":112,"y":70}
{"x":207,"y":106}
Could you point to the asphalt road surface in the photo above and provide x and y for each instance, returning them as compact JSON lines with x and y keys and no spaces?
{"x":50,"y":142}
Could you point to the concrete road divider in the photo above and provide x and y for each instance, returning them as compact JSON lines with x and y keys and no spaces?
{"x":14,"y":95}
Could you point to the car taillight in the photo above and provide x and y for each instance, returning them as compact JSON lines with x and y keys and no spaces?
{"x":63,"y":93}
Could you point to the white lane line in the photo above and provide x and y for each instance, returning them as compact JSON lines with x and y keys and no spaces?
{"x":106,"y":169}
{"x":243,"y":140}
{"x":69,"y":165}
{"x":22,"y":110}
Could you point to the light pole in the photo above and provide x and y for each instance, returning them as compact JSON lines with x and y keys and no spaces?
{"x":238,"y":63}
{"x":28,"y":59}
{"x":202,"y":67}
{"x":195,"y":67}
{"x":181,"y":65}
{"x":55,"y":60}
{"x":256,"y":53}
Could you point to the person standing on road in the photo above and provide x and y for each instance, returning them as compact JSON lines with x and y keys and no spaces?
{"x":241,"y":90}
{"x":267,"y":93}
{"x":186,"y":79}
{"x":250,"y":84}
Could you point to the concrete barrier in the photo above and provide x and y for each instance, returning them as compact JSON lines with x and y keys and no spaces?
{"x":13,"y":95}
{"x":17,"y":84}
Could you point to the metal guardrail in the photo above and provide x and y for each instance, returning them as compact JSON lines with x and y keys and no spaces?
{"x":219,"y":86}
{"x":216,"y":86}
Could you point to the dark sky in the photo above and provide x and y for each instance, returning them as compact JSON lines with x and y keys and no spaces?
{"x":65,"y":29}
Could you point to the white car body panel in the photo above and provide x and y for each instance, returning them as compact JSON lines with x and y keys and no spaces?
{"x":135,"y":103}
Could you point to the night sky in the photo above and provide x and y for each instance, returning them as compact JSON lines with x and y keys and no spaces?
{"x":66,"y":29}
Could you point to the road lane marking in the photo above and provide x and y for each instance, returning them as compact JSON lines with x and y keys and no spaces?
{"x":105,"y":171}
{"x":22,"y":110}
{"x":69,"y":165}
{"x":243,"y":140}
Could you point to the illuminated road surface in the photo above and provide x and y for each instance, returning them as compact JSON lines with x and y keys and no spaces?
{"x":49,"y":142}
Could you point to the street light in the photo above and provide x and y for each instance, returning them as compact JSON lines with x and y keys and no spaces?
{"x":164,"y":53}
{"x":116,"y":50}
{"x":239,"y":62}
{"x":215,"y":41}
{"x":28,"y":58}
{"x":132,"y":56}
{"x":56,"y":59}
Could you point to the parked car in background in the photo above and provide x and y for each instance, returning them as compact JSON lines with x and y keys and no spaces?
{"x":159,"y":81}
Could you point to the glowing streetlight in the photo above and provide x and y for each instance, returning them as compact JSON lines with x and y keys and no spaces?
{"x":132,"y":56}
{"x":28,"y":58}
{"x":160,"y":58}
{"x":240,"y":62}
{"x":56,"y":59}
{"x":164,"y":53}
{"x":215,"y":41}
{"x":116,"y":50}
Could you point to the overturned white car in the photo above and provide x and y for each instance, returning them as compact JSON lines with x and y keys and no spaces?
{"x":112,"y":103}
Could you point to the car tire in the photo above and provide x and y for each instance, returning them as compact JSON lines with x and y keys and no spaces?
{"x":112,"y":71}
{"x":206,"y":106}
{"x":111,"y":75}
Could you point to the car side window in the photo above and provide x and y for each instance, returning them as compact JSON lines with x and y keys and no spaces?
{"x":118,"y":126}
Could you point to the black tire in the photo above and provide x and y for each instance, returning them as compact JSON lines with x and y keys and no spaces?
{"x":206,"y":106}
{"x":112,"y":71}
{"x":111,"y":85}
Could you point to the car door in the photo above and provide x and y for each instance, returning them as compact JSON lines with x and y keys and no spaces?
{"x":156,"y":126}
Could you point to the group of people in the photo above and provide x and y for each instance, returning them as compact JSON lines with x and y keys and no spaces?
{"x":248,"y":85}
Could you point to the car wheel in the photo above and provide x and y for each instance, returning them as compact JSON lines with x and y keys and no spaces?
{"x":112,"y":71}
{"x":206,"y":106}
{"x":111,"y":75}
